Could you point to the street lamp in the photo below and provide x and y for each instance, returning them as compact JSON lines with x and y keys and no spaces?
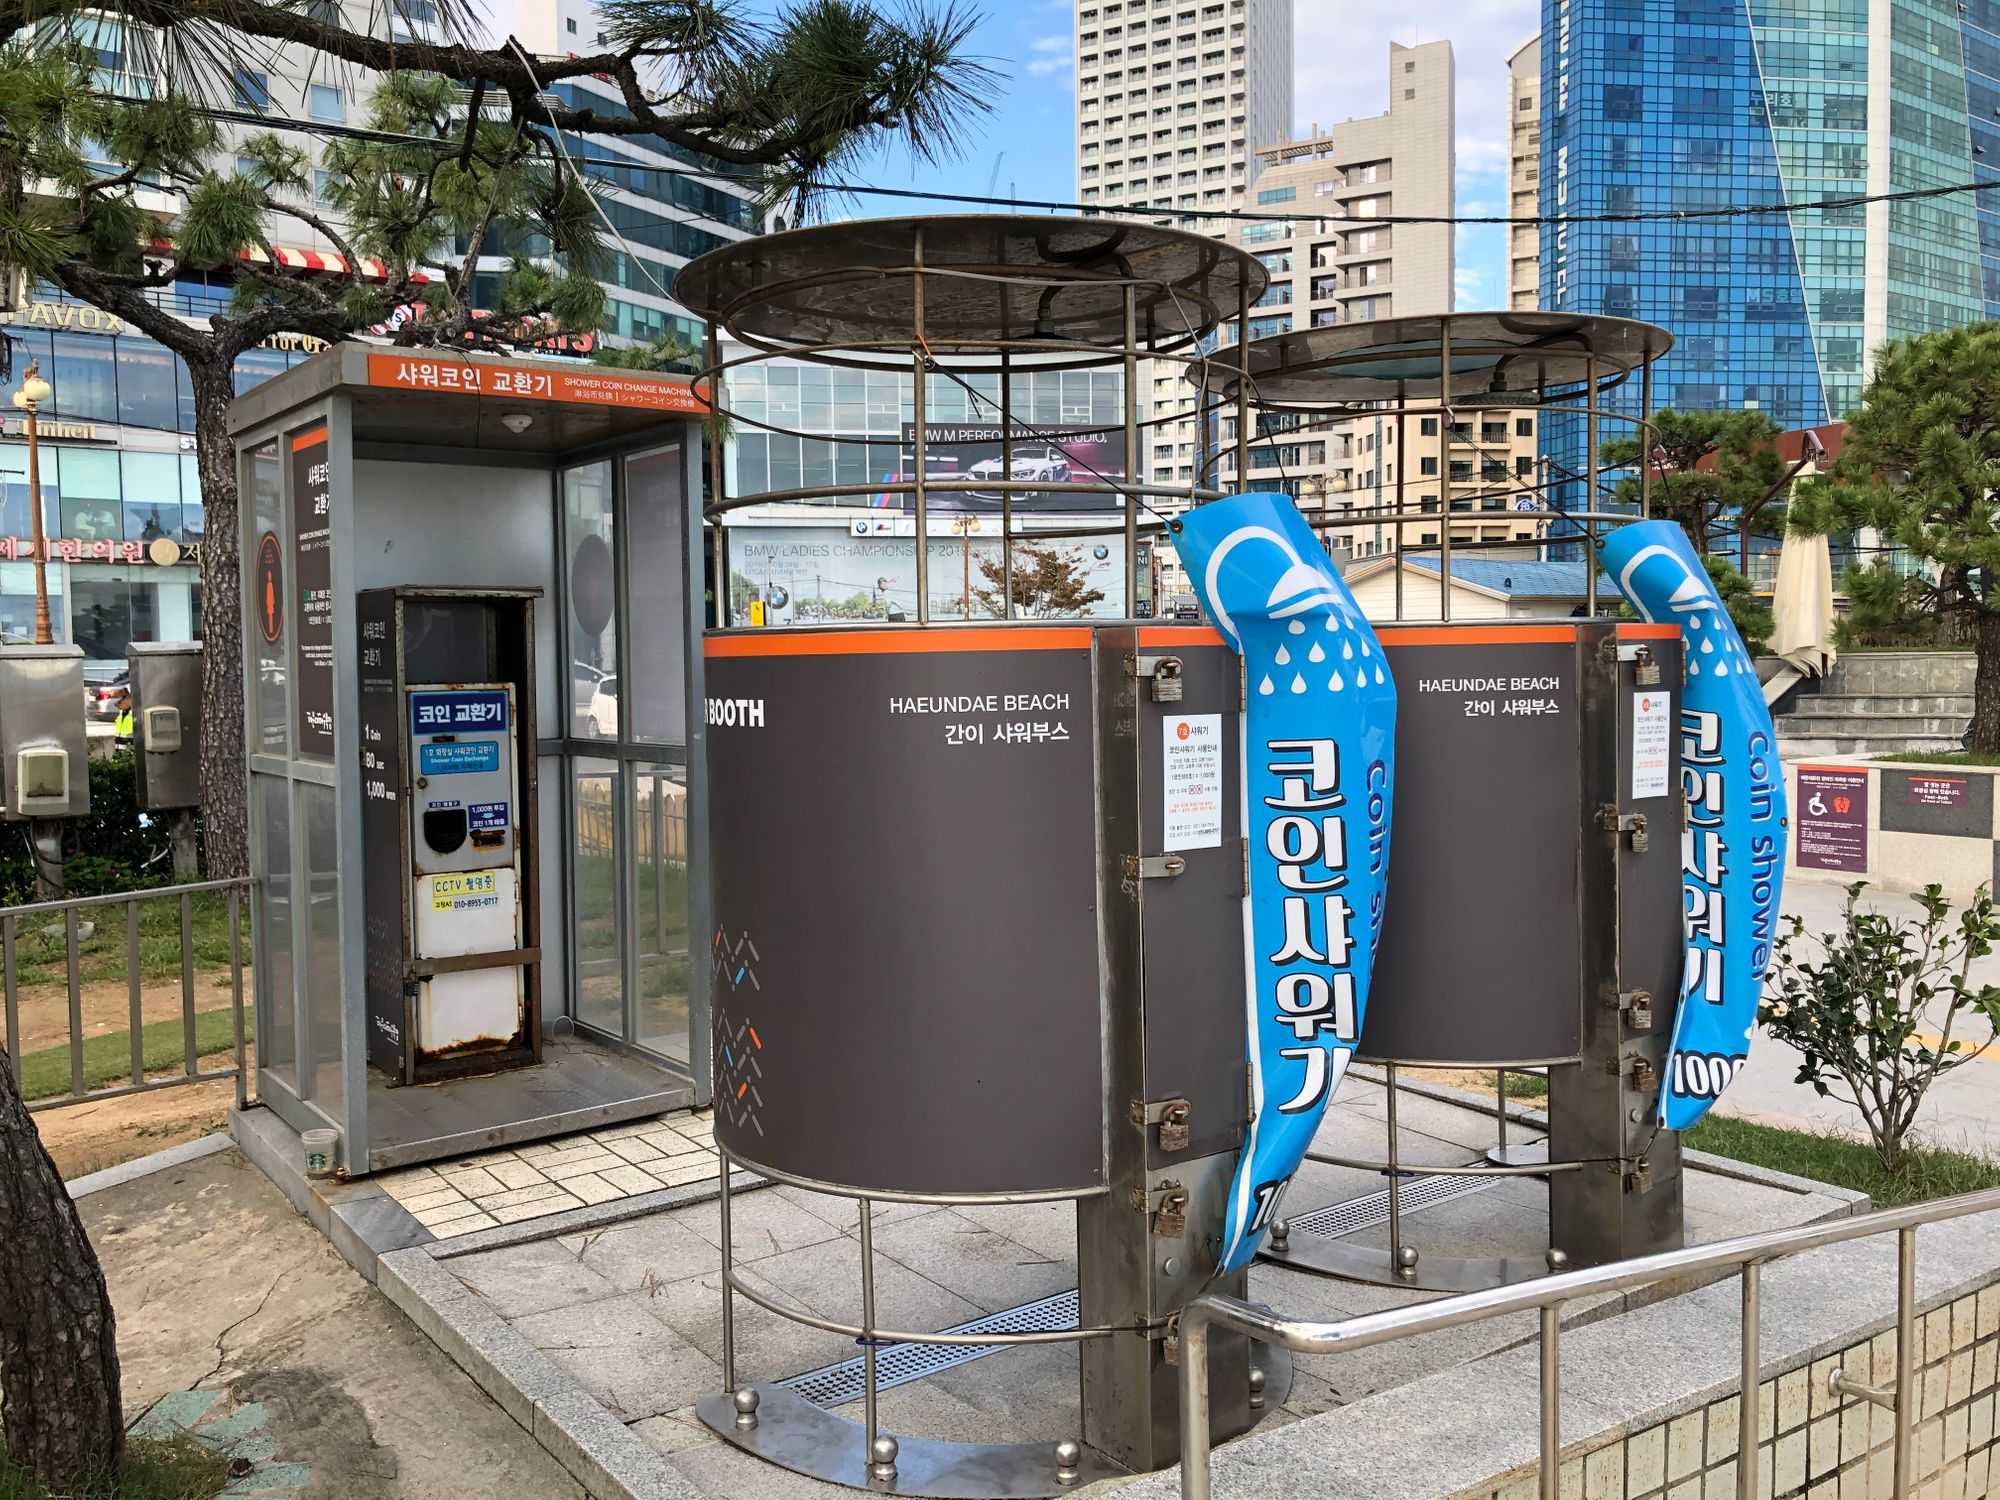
{"x":33,"y":392}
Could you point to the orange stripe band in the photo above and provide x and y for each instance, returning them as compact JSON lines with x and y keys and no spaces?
{"x":893,"y":641}
{"x":1179,"y":635}
{"x":311,"y":437}
{"x":1627,"y":631}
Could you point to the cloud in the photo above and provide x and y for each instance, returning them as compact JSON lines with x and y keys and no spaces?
{"x":1053,"y":55}
{"x":1469,"y":288}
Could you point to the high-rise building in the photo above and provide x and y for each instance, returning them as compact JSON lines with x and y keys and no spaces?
{"x":1729,"y":107}
{"x":1172,"y":99}
{"x":1338,"y":263}
{"x":1524,"y":174}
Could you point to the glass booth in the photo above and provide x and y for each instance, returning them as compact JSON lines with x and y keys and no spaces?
{"x":470,"y":585}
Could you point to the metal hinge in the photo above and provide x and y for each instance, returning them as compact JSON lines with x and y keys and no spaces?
{"x":1165,"y":672}
{"x":1153,"y":866}
{"x":1612,"y":821}
{"x":1171,"y":1115}
{"x":1242,"y":685}
{"x":1243,"y":866}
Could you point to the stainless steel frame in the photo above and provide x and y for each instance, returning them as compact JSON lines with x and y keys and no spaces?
{"x":1744,"y":1255}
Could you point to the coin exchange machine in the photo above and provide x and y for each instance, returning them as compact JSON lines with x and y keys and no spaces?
{"x":447,"y":728}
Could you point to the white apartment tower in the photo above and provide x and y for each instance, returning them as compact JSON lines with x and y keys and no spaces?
{"x":1172,"y":99}
{"x":1524,"y":174}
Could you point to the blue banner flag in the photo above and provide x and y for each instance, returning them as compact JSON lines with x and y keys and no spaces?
{"x":1319,"y":742}
{"x":1733,"y":842}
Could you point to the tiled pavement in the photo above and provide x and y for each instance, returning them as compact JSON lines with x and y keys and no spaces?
{"x":456,"y":1197}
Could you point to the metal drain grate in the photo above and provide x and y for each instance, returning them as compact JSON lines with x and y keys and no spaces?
{"x":899,"y":1364}
{"x":1365,"y":1213}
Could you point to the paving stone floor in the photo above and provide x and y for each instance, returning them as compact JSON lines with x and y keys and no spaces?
{"x":455,"y":1197}
{"x":633,"y":1310}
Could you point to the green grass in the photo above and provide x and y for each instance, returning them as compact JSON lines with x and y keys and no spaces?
{"x":1944,"y":758}
{"x":1524,"y":1085}
{"x":155,"y":1469}
{"x":1927,"y":1172}
{"x":41,"y":957}
{"x":108,"y":1059}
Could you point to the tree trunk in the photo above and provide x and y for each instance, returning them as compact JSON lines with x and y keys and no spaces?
{"x":224,"y":771}
{"x":59,"y":1397}
{"x":1985,"y":736}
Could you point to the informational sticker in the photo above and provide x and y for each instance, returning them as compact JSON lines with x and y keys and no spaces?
{"x":452,"y":758}
{"x":1833,"y":819}
{"x":470,"y":892}
{"x":486,"y":817}
{"x":312,"y":575}
{"x":1652,"y":744}
{"x":1192,"y":784}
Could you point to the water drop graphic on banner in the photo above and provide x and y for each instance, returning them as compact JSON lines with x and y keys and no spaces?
{"x":1265,"y":686}
{"x":1336,"y":682}
{"x":1297,"y":627}
{"x":1316,"y":654}
{"x":1284,"y":657}
{"x":1298,"y":683}
{"x":1346,"y":651}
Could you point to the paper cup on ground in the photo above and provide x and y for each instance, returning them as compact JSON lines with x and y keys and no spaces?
{"x":319,"y":1147}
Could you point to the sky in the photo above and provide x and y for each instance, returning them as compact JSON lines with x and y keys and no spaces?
{"x":1025,"y":146}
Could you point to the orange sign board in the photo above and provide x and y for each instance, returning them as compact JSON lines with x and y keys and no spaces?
{"x":587,"y":386}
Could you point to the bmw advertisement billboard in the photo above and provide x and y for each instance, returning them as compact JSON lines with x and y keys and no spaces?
{"x":1042,"y":454}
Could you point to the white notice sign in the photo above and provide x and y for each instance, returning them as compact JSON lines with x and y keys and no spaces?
{"x":1652,"y":743}
{"x":1193,"y":782}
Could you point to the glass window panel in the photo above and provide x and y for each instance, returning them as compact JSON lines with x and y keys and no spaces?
{"x":591,"y":593}
{"x":255,"y":366}
{"x":15,"y":518}
{"x":323,"y":989}
{"x":657,"y":572}
{"x":277,"y":1040}
{"x":85,"y":379}
{"x":600,"y":967}
{"x":146,"y":396}
{"x":661,"y":846}
{"x":90,"y":493}
{"x":152,"y":484}
{"x":273,"y":699}
{"x":183,"y":397}
{"x":102,"y":614}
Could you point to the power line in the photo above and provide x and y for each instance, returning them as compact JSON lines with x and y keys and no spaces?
{"x":759,"y":179}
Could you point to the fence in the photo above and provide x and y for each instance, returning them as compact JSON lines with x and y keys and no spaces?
{"x":18,"y":923}
{"x":1744,"y":1255}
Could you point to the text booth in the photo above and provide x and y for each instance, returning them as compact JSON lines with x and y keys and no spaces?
{"x":472,"y":834}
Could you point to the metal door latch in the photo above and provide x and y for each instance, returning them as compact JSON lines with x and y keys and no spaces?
{"x":1153,"y":866}
{"x":1171,"y":1115}
{"x":1632,"y":825}
{"x":1165,"y":672}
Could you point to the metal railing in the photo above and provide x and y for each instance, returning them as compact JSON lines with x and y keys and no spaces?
{"x":20,"y":922}
{"x":1746,"y":1255}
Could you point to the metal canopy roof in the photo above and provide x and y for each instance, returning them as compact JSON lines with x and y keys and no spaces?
{"x":985,"y":277}
{"x":1505,"y":356}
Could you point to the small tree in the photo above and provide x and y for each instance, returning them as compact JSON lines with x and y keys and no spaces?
{"x":1732,"y":496}
{"x":1920,"y":467}
{"x":1049,"y":583}
{"x":1858,"y":1002}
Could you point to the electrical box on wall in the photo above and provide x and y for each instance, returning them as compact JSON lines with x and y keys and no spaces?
{"x":44,"y":760}
{"x":166,"y":712}
{"x":447,"y":745}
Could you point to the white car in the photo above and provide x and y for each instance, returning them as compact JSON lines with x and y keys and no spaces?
{"x":603,"y":709}
{"x":1045,"y":466}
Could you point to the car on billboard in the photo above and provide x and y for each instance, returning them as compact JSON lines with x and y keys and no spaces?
{"x":1043,"y":466}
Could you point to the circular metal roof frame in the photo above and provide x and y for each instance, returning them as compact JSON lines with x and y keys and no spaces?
{"x":986,"y":278}
{"x":1497,"y":358}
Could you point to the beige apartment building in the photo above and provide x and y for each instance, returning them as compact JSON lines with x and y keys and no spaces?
{"x":1337,"y":263}
{"x":1524,"y":174}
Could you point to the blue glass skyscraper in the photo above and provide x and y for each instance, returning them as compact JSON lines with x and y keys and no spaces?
{"x":1673,"y":107}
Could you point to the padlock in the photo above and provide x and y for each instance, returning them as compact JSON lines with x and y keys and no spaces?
{"x":1174,"y":1126}
{"x":1645,"y":668}
{"x":1167,"y":684}
{"x":1170,"y":1219}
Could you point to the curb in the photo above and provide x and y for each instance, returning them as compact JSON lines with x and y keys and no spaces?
{"x":594,"y":1447}
{"x":146,"y":1166}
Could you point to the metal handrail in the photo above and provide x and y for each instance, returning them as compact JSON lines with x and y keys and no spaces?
{"x":1745,"y":1254}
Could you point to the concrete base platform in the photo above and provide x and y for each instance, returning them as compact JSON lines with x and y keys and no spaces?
{"x":603,"y":1338}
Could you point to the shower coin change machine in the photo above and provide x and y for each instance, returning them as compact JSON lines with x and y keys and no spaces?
{"x":448,"y":750}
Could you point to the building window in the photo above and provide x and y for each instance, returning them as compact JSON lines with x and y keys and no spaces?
{"x":1409,"y":93}
{"x":1278,"y":195}
{"x":1427,"y":427}
{"x":325,"y":102}
{"x":1524,"y":427}
{"x":1427,"y":467}
{"x":570,"y":25}
{"x":1525,"y":103}
{"x":253,"y":89}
